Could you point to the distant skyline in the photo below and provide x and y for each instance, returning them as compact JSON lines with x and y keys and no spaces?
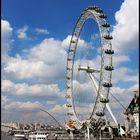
{"x":35,"y":40}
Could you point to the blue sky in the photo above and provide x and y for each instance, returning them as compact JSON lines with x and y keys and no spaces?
{"x":57,"y":17}
{"x":35,"y":39}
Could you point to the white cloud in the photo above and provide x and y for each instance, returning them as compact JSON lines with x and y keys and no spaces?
{"x":51,"y":102}
{"x":62,"y":111}
{"x":124,"y":74}
{"x":82,"y":44}
{"x":23,"y":106}
{"x":37,"y":90}
{"x":125,"y":32}
{"x":119,"y":59}
{"x":134,"y":87}
{"x":28,"y":111}
{"x":58,"y":109}
{"x":45,"y":62}
{"x":49,"y":51}
{"x":41,"y":31}
{"x":4,"y":100}
{"x":18,"y":68}
{"x":6,"y":34}
{"x":20,"y":111}
{"x":83,"y":88}
{"x":21,"y":33}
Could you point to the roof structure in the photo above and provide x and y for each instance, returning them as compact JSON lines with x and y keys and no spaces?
{"x":133,"y":107}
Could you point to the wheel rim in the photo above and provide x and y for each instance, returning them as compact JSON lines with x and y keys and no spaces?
{"x":106,"y":65}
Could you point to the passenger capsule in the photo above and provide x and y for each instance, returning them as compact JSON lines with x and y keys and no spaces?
{"x":99,"y":10}
{"x":73,"y":41}
{"x":85,"y":9}
{"x":105,"y":84}
{"x":72,"y":49}
{"x":69,"y":59}
{"x":109,"y":68}
{"x":68,"y":68}
{"x":108,"y":37}
{"x":103,"y":16}
{"x":104,"y":100}
{"x":70,"y":113}
{"x":67,"y":96}
{"x":68,"y":105}
{"x":108,"y":51}
{"x":68,"y":87}
{"x":100,"y":113}
{"x":106,"y":25}
{"x":82,"y":13}
{"x":67,"y":77}
{"x":92,"y":7}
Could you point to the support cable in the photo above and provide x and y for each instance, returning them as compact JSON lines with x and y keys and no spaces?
{"x":111,"y":93}
{"x":55,"y":121}
{"x":117,"y":100}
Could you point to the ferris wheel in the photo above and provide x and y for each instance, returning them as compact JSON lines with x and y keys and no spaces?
{"x":103,"y":84}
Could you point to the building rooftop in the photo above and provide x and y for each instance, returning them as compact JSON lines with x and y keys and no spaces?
{"x":133,"y":107}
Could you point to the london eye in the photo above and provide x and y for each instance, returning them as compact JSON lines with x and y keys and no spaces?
{"x":99,"y":76}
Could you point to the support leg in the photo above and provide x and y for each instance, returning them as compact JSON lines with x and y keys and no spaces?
{"x":71,"y":134}
{"x":87,"y":134}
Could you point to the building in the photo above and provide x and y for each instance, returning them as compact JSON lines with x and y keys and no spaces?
{"x":5,"y":127}
{"x":132,"y":116}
